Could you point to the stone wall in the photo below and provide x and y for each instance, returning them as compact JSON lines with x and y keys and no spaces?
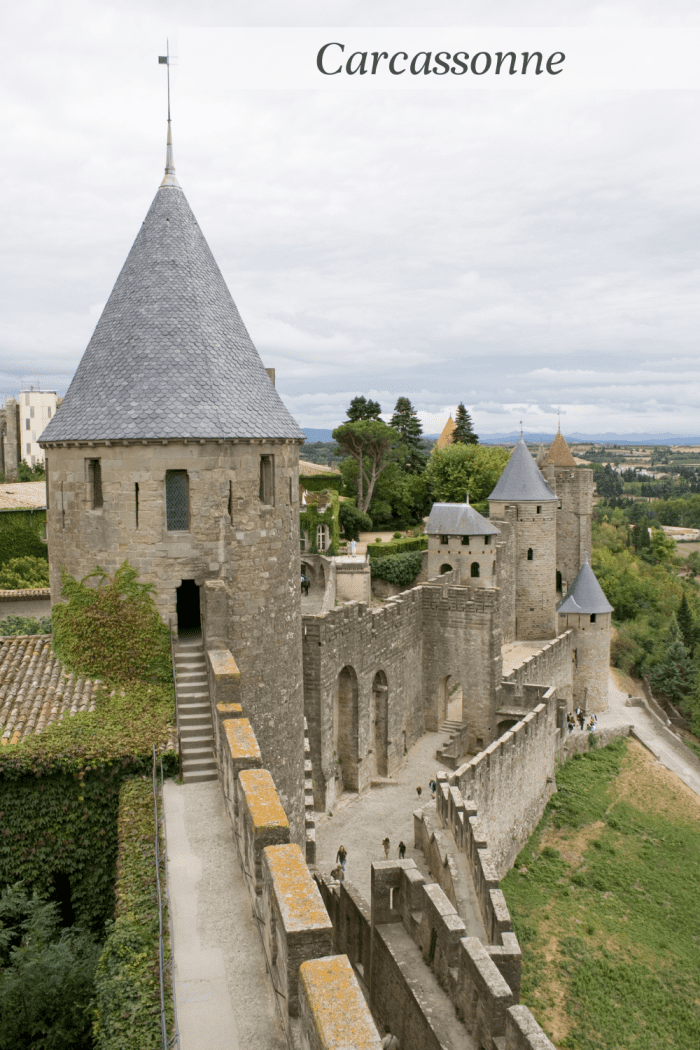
{"x":353,"y":581}
{"x":10,"y":438}
{"x":251,"y":552}
{"x":480,"y":551}
{"x":511,"y":781}
{"x":505,"y":566}
{"x":535,"y":566}
{"x":332,"y":1010}
{"x":574,"y":487}
{"x":552,"y":667}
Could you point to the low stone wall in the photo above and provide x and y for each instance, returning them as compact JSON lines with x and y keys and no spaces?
{"x":551,"y":665}
{"x":28,"y":595}
{"x":511,"y":781}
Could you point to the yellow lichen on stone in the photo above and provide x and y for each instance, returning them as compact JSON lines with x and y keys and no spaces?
{"x":336,"y":1004}
{"x":222,"y":663}
{"x":300,"y":904}
{"x":264,"y":806}
{"x":229,"y":710}
{"x":241,"y":738}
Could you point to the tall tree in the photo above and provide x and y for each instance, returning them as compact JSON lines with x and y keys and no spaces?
{"x":674,"y":677}
{"x":686,"y":624}
{"x":457,"y":469}
{"x":408,"y":426}
{"x":369,"y":442}
{"x":463,"y":433}
{"x":360,"y":408}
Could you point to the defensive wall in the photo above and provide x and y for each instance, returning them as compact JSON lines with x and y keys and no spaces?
{"x":375,"y":679}
{"x":552,"y":666}
{"x":316,"y":990}
{"x":574,"y":487}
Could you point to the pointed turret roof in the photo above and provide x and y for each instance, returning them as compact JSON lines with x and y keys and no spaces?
{"x":170,"y":356}
{"x":521,"y":480}
{"x":585,"y":594}
{"x":445,"y":438}
{"x":541,"y":455}
{"x":559,"y":454}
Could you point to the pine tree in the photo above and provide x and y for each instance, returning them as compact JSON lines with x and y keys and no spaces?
{"x":686,"y":624}
{"x":641,"y":539}
{"x":361,"y":408}
{"x":408,"y":426}
{"x":463,"y":433}
{"x":674,"y":677}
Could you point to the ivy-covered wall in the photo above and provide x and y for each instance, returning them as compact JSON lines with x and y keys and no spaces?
{"x":20,"y":534}
{"x":127,"y":990}
{"x":321,"y":482}
{"x":59,"y":795}
{"x":310,"y":518}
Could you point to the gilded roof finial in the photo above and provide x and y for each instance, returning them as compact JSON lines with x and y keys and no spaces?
{"x":169,"y":178}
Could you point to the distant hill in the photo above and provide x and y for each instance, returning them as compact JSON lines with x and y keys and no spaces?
{"x":548,"y":436}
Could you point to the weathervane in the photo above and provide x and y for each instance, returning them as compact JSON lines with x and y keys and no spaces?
{"x":169,"y":179}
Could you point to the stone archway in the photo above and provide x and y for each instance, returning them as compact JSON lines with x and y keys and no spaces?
{"x":445,"y":568}
{"x":379,"y":729}
{"x":345,"y":729}
{"x":452,"y":700}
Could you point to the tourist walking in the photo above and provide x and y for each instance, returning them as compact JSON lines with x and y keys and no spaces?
{"x":341,"y":857}
{"x":386,"y":844}
{"x":353,"y":547}
{"x":390,"y":1042}
{"x":418,"y":792}
{"x":338,"y":874}
{"x":581,"y":717}
{"x":402,"y":850}
{"x":433,"y":788}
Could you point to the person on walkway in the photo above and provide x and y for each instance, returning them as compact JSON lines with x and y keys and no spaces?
{"x":433,"y":788}
{"x":581,"y":718}
{"x":341,"y":857}
{"x":390,"y":1042}
{"x":571,"y":723}
{"x":338,"y":874}
{"x":402,"y":850}
{"x":386,"y":844}
{"x":418,"y":792}
{"x":592,"y":724}
{"x":305,"y":581}
{"x":353,"y":547}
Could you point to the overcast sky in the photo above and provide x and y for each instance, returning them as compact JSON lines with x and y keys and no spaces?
{"x":522,"y":251}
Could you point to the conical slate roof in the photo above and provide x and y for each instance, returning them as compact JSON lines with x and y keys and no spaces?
{"x":585,"y":594}
{"x":522,"y":480}
{"x":170,"y":356}
{"x":559,"y":454}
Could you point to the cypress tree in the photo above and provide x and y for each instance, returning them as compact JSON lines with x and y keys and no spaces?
{"x":686,"y":624}
{"x":674,"y":677}
{"x":463,"y":433}
{"x":408,"y":426}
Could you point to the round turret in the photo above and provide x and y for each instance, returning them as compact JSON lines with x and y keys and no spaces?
{"x":587,"y":612}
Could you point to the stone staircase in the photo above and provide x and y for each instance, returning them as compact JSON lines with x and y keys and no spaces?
{"x":447,"y":754}
{"x":194,"y":712}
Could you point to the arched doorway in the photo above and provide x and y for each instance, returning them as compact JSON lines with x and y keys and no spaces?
{"x":188,"y":614}
{"x":475,"y":570}
{"x":445,"y":568}
{"x":505,"y":725}
{"x":345,"y":726}
{"x":452,"y":691}
{"x":380,"y":723}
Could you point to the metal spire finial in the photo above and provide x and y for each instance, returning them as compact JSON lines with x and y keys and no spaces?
{"x":521,"y":430}
{"x":169,"y":178}
{"x":558,"y":424}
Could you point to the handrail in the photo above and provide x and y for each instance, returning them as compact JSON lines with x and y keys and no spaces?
{"x":175,"y":1040}
{"x":177,"y":712}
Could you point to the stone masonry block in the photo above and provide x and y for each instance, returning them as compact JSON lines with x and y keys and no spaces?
{"x":262,"y":822}
{"x":523,"y":1031}
{"x":332,"y":1009}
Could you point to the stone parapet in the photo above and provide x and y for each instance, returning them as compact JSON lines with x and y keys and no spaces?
{"x":332,"y":1010}
{"x":28,"y":594}
{"x":239,"y":751}
{"x":296,"y":924}
{"x":261,"y":822}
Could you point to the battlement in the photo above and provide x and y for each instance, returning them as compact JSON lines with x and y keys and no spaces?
{"x":332,"y":1008}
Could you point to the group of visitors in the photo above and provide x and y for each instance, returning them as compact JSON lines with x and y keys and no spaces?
{"x":580,"y":717}
{"x":338,"y":872}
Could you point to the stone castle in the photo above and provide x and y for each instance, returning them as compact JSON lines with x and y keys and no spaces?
{"x":172,"y":449}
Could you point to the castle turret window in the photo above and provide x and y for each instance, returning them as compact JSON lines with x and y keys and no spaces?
{"x":539,"y":510}
{"x":177,"y":500}
{"x":475,"y":570}
{"x":465,"y":541}
{"x":444,"y":539}
{"x":530,"y":555}
{"x":267,"y":480}
{"x":593,"y":616}
{"x":487,"y":540}
{"x":95,"y":483}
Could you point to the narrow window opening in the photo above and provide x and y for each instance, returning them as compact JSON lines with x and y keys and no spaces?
{"x":230,"y":499}
{"x":475,"y":570}
{"x":31,"y":412}
{"x":444,"y":539}
{"x":530,"y":556}
{"x":539,"y":510}
{"x":27,"y":424}
{"x":593,"y":616}
{"x":487,"y":540}
{"x":177,"y":500}
{"x":63,"y":509}
{"x":465,"y":541}
{"x":95,"y":479}
{"x":136,"y":503}
{"x":267,"y":480}
{"x":49,"y":411}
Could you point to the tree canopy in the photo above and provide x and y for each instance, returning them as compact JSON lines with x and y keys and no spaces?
{"x":408,"y":427}
{"x":459,"y":469}
{"x":463,"y":433}
{"x":369,"y":442}
{"x":362,"y":408}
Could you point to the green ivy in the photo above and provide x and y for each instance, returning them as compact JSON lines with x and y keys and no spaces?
{"x":411,"y":543}
{"x":13,"y":625}
{"x":310,"y":519}
{"x":59,"y":794}
{"x":127,"y":999}
{"x":24,"y":573}
{"x":20,"y":535}
{"x":400,"y":569}
{"x":112,"y":631}
{"x":322,"y":482}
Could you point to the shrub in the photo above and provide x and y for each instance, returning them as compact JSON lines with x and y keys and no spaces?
{"x":353,"y":521}
{"x":411,"y":543}
{"x":24,"y":625}
{"x":20,"y":535}
{"x":113,"y":630}
{"x":400,"y":569}
{"x":23,"y":573}
{"x":46,"y":975}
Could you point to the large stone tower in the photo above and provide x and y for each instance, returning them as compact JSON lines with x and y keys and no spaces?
{"x":587,"y":612}
{"x":524,"y":499}
{"x":173,"y":450}
{"x":574,"y":487}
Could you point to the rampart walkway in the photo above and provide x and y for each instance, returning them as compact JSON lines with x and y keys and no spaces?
{"x":224,"y":996}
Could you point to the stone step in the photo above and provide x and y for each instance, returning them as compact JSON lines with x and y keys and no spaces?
{"x":192,"y":690}
{"x":199,"y":777}
{"x":203,"y":740}
{"x":198,"y":765}
{"x":193,"y":729}
{"x":198,"y":708}
{"x":192,"y":754}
